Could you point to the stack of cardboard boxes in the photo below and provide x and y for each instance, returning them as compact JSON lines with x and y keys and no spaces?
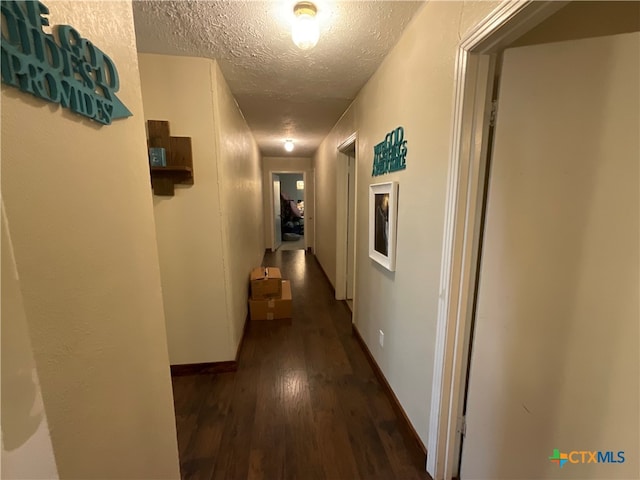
{"x":270,"y":294}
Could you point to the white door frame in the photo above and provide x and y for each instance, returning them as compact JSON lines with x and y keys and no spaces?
{"x":306,"y":204}
{"x":474,"y":74}
{"x":274,"y":224}
{"x":342,"y":198}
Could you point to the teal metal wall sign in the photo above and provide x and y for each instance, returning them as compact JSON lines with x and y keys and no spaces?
{"x":62,"y":68}
{"x":390,"y":155}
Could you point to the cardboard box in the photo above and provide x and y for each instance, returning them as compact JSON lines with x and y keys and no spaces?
{"x":272,"y":308}
{"x":266,"y":283}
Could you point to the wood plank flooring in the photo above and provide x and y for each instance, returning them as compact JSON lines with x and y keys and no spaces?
{"x":304,"y":403}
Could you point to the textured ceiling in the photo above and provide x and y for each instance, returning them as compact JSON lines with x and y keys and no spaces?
{"x":282,"y":91}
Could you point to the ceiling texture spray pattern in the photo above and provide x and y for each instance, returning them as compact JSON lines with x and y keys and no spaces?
{"x":283,"y":92}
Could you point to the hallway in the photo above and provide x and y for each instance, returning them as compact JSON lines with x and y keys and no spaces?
{"x":304,"y":403}
{"x":292,"y":245}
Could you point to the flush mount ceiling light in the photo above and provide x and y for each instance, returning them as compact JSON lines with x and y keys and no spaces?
{"x":288,"y":145}
{"x":305,"y":32}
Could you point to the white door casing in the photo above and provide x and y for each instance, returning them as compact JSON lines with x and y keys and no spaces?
{"x":277,"y":215}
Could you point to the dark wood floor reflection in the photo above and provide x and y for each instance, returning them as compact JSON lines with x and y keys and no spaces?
{"x":304,"y":403}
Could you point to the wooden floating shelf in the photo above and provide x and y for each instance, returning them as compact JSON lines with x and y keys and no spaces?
{"x":172,"y":169}
{"x":179,"y":169}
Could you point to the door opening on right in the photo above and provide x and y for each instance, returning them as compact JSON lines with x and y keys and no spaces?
{"x":554,"y":360}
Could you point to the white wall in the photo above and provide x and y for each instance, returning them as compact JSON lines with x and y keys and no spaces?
{"x":413,"y":88}
{"x":288,"y":164}
{"x":79,"y":210}
{"x":209,"y":234}
{"x":189,"y":224}
{"x":240,"y":181}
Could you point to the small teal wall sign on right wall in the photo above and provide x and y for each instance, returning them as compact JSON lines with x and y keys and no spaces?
{"x":390,"y":155}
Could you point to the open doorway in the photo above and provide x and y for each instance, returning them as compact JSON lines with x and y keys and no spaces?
{"x":289,"y":209}
{"x":571,"y":268}
{"x":487,"y":282}
{"x":346,"y":222}
{"x":277,"y":215}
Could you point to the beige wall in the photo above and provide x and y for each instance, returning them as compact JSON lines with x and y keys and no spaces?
{"x":240,"y":183}
{"x":585,"y":19}
{"x":26,"y":443}
{"x":189,"y":225}
{"x":413,"y":88}
{"x":209,"y":234}
{"x":81,"y":224}
{"x":288,"y":164}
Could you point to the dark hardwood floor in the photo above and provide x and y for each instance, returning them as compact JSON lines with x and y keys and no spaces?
{"x":304,"y":403}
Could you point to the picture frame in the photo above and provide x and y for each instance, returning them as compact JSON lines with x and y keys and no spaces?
{"x":383,"y":213}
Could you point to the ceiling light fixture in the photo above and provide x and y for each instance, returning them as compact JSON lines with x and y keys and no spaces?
{"x":288,"y":145}
{"x":305,"y":31}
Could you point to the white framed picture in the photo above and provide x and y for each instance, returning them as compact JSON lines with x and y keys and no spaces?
{"x":383,"y":213}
